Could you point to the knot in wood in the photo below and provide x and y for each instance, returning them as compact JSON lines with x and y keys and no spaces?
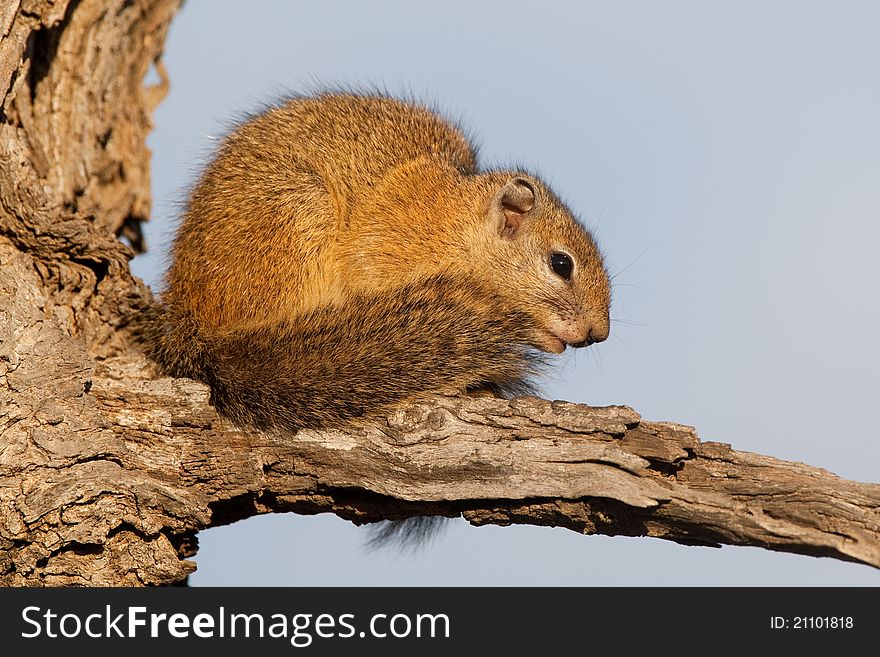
{"x":418,"y":422}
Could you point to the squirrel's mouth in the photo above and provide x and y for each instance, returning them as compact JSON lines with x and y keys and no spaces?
{"x":551,"y":343}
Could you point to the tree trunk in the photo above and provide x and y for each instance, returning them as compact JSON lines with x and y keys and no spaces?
{"x":107,"y":470}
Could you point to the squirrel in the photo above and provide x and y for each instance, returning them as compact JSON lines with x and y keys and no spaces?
{"x":343,"y":253}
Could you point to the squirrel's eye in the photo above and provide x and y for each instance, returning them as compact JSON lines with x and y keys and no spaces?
{"x":561,"y":265}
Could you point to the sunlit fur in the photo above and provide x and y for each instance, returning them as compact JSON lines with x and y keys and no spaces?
{"x":342,"y":253}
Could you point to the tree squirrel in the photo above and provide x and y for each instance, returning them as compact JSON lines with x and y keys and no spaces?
{"x":342,"y":253}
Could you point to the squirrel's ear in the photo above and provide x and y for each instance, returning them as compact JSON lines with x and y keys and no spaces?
{"x":511,"y":206}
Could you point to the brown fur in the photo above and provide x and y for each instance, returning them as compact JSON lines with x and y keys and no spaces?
{"x":342,"y":253}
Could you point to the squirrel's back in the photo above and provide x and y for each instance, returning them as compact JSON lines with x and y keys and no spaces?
{"x":341,"y":253}
{"x":282,"y":188}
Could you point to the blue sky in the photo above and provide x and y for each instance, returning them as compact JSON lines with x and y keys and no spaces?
{"x":727,"y":156}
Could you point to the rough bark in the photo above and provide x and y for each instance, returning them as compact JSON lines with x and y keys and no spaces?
{"x":107,"y":471}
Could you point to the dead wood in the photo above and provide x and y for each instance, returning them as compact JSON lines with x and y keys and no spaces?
{"x":107,"y":471}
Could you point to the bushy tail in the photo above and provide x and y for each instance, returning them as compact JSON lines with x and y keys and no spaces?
{"x":323,"y":368}
{"x":405,"y":536}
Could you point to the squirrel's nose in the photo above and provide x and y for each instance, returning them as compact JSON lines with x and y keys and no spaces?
{"x":597,"y":334}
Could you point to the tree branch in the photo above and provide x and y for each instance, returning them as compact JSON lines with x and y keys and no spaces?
{"x":149,"y":463}
{"x":107,"y":471}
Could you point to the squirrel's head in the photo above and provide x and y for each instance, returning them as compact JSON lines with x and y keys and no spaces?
{"x":550,"y":261}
